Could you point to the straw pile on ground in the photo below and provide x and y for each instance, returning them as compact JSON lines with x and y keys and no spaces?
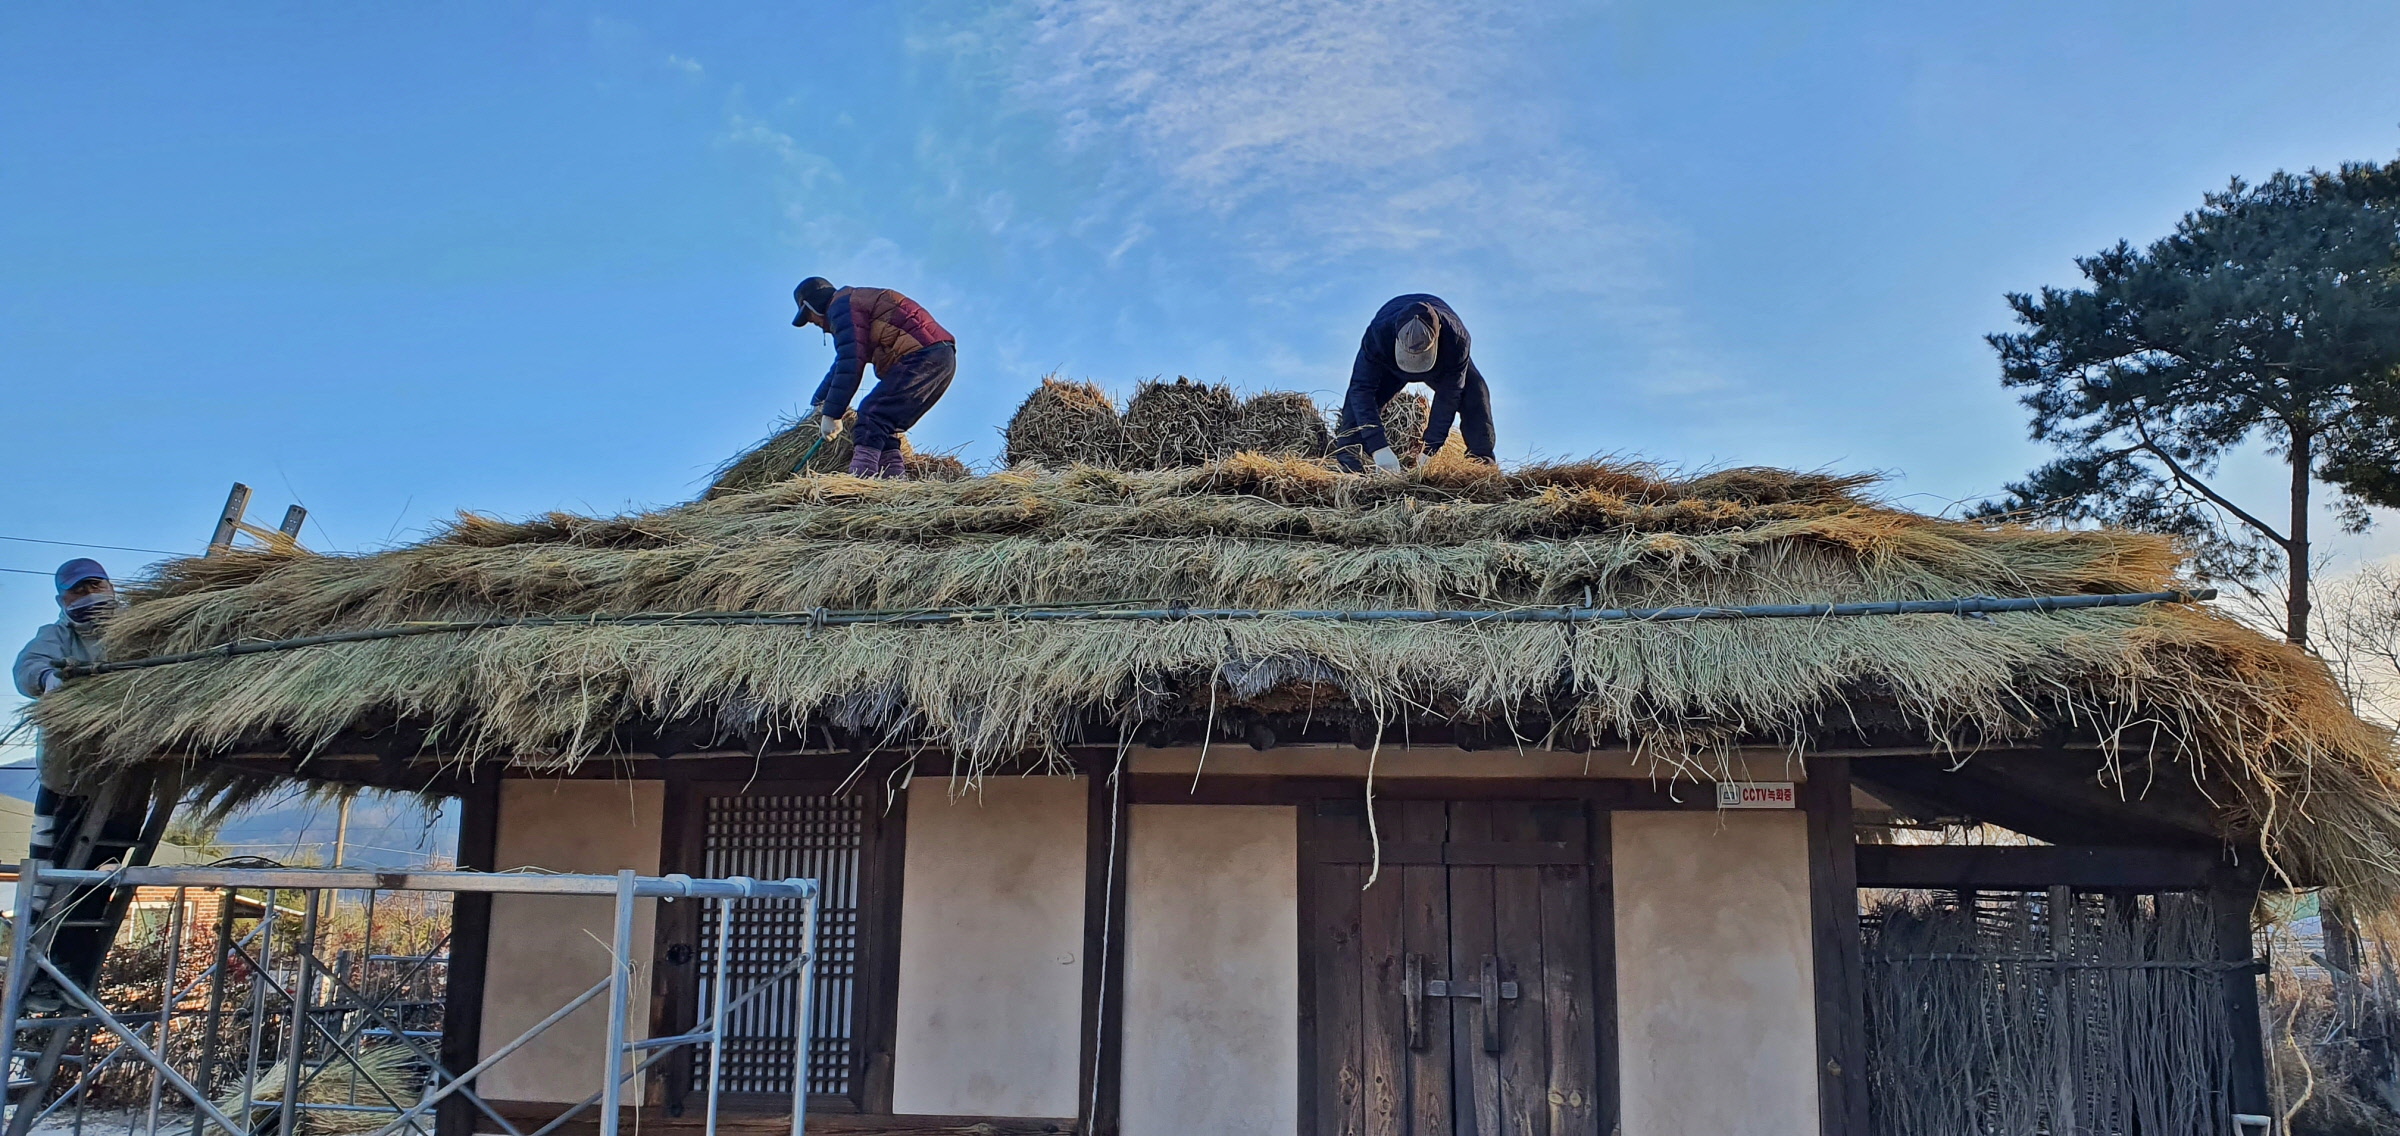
{"x":2257,"y":719}
{"x":1063,"y":423}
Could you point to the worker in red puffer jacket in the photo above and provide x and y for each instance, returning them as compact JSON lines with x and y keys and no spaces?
{"x":914,"y":360}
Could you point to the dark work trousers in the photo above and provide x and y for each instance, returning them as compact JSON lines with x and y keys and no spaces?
{"x":77,"y":950}
{"x":904,"y":395}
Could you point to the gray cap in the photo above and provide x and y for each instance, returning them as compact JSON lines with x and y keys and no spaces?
{"x":1414,"y":348}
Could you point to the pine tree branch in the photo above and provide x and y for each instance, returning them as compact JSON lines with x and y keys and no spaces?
{"x":2197,"y":486}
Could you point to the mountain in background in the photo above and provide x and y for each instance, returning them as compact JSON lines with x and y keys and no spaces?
{"x":387,"y":830}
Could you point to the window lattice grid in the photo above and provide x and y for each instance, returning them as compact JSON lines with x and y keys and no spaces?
{"x":775,"y":837}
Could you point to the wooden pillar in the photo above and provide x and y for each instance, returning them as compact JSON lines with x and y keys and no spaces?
{"x":1103,"y":952}
{"x":2233,"y":894}
{"x":470,"y":936}
{"x":1840,"y":955}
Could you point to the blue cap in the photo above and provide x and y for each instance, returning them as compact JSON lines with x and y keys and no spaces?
{"x":78,"y":570}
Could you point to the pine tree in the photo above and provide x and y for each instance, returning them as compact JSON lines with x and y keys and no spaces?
{"x":2271,"y":315}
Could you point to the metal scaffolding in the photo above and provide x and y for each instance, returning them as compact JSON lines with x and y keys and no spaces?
{"x":306,"y":1021}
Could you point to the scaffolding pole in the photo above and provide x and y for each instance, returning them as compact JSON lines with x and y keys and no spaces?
{"x":308,"y":1047}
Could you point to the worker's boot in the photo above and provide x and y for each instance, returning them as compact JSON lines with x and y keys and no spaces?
{"x":895,"y":464}
{"x":866,"y":462}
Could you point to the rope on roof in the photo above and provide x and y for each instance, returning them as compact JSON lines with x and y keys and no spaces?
{"x":1970,"y":606}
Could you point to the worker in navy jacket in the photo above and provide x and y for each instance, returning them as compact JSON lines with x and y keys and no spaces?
{"x":914,"y":360}
{"x":1413,"y":339}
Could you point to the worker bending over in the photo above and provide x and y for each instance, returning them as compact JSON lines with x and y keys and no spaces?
{"x":1413,"y":339}
{"x":914,"y":360}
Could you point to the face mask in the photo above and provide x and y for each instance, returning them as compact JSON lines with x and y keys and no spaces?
{"x":91,"y":609}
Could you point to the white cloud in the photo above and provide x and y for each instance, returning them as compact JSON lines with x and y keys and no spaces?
{"x":1328,"y":128}
{"x":687,"y":65}
{"x":1237,"y":98}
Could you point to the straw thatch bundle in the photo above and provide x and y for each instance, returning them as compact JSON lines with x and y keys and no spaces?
{"x":376,"y":1076}
{"x":1181,"y":423}
{"x":1062,"y":424}
{"x":935,"y":467}
{"x":1283,"y":424}
{"x":1404,"y":419}
{"x":773,"y":460}
{"x":2259,"y":722}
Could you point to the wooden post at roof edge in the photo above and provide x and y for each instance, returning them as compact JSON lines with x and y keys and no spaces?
{"x":1840,"y":953}
{"x":2232,"y":895}
{"x":1101,"y":1077}
{"x":470,"y":938}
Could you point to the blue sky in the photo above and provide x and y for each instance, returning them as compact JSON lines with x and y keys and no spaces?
{"x":394,"y":261}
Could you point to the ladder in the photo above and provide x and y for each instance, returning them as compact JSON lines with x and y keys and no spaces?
{"x":121,"y":824}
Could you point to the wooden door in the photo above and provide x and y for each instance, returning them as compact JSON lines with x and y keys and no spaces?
{"x":1460,"y":992}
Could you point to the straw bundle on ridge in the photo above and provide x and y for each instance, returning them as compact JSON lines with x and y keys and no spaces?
{"x":1062,"y":424}
{"x":1404,"y":419}
{"x":2260,"y":724}
{"x":1181,"y":423}
{"x":1281,"y":424}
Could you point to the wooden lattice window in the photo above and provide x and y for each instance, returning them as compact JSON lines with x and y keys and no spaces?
{"x":774,"y":831}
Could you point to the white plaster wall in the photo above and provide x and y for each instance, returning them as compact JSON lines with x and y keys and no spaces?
{"x":1212,"y":970}
{"x":1716,"y":995}
{"x":991,"y":949}
{"x":547,"y":949}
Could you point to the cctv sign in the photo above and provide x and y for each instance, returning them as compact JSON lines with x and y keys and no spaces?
{"x":1755,"y":795}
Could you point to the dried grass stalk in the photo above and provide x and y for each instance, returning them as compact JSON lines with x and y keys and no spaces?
{"x":1062,"y":424}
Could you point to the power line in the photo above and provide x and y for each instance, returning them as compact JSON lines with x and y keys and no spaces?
{"x":109,"y":547}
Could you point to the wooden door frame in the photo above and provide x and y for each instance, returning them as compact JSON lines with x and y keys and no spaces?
{"x":1602,"y":947}
{"x":874,"y":1000}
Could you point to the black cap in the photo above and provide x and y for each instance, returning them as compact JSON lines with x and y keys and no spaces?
{"x":814,"y":294}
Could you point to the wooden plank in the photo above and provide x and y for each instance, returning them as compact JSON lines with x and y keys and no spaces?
{"x":1341,"y":1104}
{"x":1475,"y":1075}
{"x":1840,"y":956}
{"x":1603,"y":915}
{"x":655,"y":1121}
{"x":674,"y":986}
{"x":1217,"y":789}
{"x":876,"y":1003}
{"x":1383,"y":1061}
{"x":1523,"y":1074}
{"x":2032,"y":868}
{"x":470,"y":945}
{"x":2231,"y":899}
{"x":1101,"y":1073}
{"x":1426,"y":930}
{"x":1568,"y":1001}
{"x":1383,"y":1075}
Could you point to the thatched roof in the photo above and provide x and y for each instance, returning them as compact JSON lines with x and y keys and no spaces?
{"x":2195,"y":691}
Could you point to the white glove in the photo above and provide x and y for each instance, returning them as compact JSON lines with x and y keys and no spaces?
{"x":51,"y":681}
{"x":829,"y":426}
{"x":1387,"y":461}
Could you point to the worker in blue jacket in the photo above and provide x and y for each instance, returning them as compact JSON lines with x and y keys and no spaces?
{"x":1413,"y":339}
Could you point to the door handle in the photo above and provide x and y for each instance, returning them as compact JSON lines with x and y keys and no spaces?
{"x":1415,"y":988}
{"x":1412,"y":996}
{"x":1491,"y":1003}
